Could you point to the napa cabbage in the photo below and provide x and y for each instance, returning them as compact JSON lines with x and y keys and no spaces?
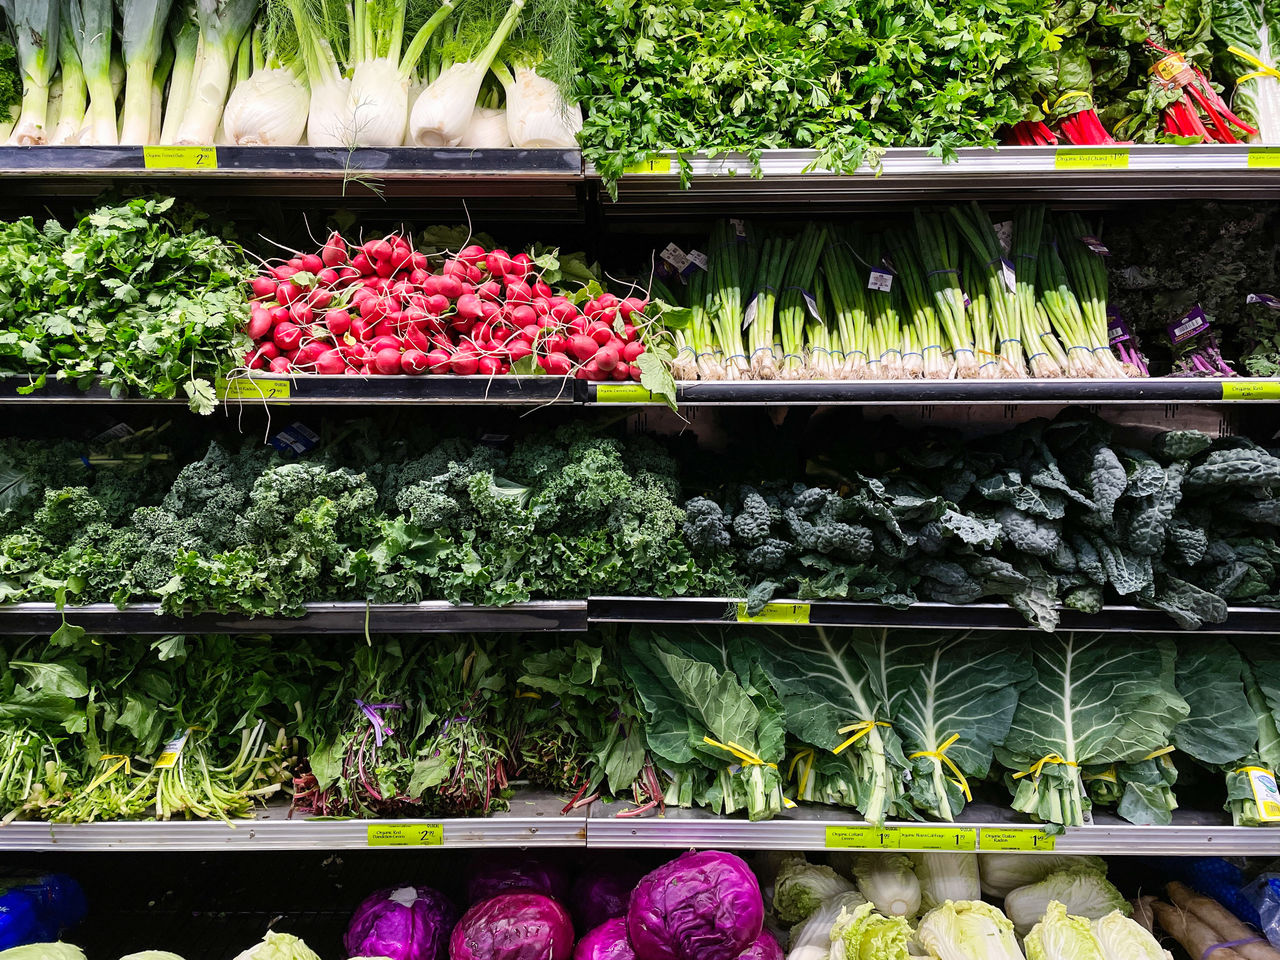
{"x":802,"y":887}
{"x":968,"y":930}
{"x":1081,"y":892}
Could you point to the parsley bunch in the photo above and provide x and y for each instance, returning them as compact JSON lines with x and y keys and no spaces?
{"x":844,"y":79}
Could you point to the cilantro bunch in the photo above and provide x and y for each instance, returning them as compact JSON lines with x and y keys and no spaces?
{"x":140,"y":298}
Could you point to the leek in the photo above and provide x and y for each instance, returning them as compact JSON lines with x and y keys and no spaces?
{"x":91,"y":27}
{"x":74,"y":99}
{"x":159,"y":76}
{"x":223,"y":24}
{"x":185,"y":38}
{"x":142,"y":33}
{"x":36,"y":25}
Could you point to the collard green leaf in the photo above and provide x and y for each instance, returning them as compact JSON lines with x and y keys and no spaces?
{"x":1220,"y":727}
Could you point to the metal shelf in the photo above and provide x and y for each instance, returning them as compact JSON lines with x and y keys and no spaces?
{"x":928,"y":616}
{"x":313,"y":389}
{"x":1155,"y":390}
{"x":908,"y":175}
{"x":982,"y":826}
{"x":533,"y":821}
{"x":435,"y":616}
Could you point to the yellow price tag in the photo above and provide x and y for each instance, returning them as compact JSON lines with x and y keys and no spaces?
{"x":406,"y":834}
{"x":180,"y":158}
{"x":253,"y":388}
{"x":623,"y":393}
{"x":652,"y":165}
{"x":938,"y":838}
{"x":171,"y":751}
{"x":1093,"y":158}
{"x":862,"y":838}
{"x":1251,"y":389}
{"x":776,"y":613}
{"x":1015,"y":838}
{"x":1264,"y":158}
{"x":1266,"y":794}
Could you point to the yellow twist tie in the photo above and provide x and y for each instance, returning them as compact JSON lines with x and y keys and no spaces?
{"x":1039,"y":765}
{"x":1108,"y":775}
{"x":120,"y":761}
{"x":748,"y":758}
{"x":1262,"y":71}
{"x":803,"y":757}
{"x":859,"y":730}
{"x":528,"y":694}
{"x":1066,"y":96}
{"x":941,"y":754}
{"x":1159,"y":753}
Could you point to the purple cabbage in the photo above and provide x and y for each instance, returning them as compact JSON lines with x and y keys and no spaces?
{"x":606,"y":942}
{"x":765,"y":948}
{"x":700,"y":906}
{"x":507,"y":871}
{"x":403,"y":923}
{"x":513,"y":926}
{"x":602,"y":892}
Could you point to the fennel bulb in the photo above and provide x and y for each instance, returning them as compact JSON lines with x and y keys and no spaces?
{"x":36,"y":24}
{"x":443,"y":111}
{"x":537,"y":115}
{"x":378,"y":100}
{"x":487,"y":129}
{"x":269,"y":109}
{"x":329,"y":114}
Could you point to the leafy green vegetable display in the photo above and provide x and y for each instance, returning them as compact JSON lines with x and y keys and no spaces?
{"x":842,"y":80}
{"x":730,"y":719}
{"x":142,"y":298}
{"x":1053,"y":513}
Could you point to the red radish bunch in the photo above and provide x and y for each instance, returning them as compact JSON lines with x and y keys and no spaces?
{"x":378,"y":308}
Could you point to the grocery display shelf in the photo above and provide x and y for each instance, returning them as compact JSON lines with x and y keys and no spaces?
{"x":534,"y":820}
{"x":1152,"y":390}
{"x":928,"y":616}
{"x":434,"y":616}
{"x":302,"y":170}
{"x":908,"y":175}
{"x":981,"y":827}
{"x":533,"y":391}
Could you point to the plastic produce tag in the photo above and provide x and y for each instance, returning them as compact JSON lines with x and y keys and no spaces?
{"x":1015,"y":838}
{"x":749,"y":314}
{"x":171,"y":751}
{"x":1266,"y":299}
{"x":651,"y":165}
{"x":118,"y":432}
{"x":180,"y":158}
{"x":1194,"y":323}
{"x":1250,"y":390}
{"x":1091,"y":158}
{"x":698,"y":259}
{"x":1010,"y":278}
{"x":674,"y":256}
{"x":1004,"y":233}
{"x":1117,"y":329}
{"x":406,"y":834}
{"x":623,"y":393}
{"x":295,"y":438}
{"x":937,"y":838}
{"x":739,"y":227}
{"x":811,"y":305}
{"x":1265,"y":793}
{"x":776,"y":613}
{"x":862,"y":838}
{"x":1173,"y":69}
{"x":253,"y":388}
{"x":881,"y":280}
{"x":1096,"y":245}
